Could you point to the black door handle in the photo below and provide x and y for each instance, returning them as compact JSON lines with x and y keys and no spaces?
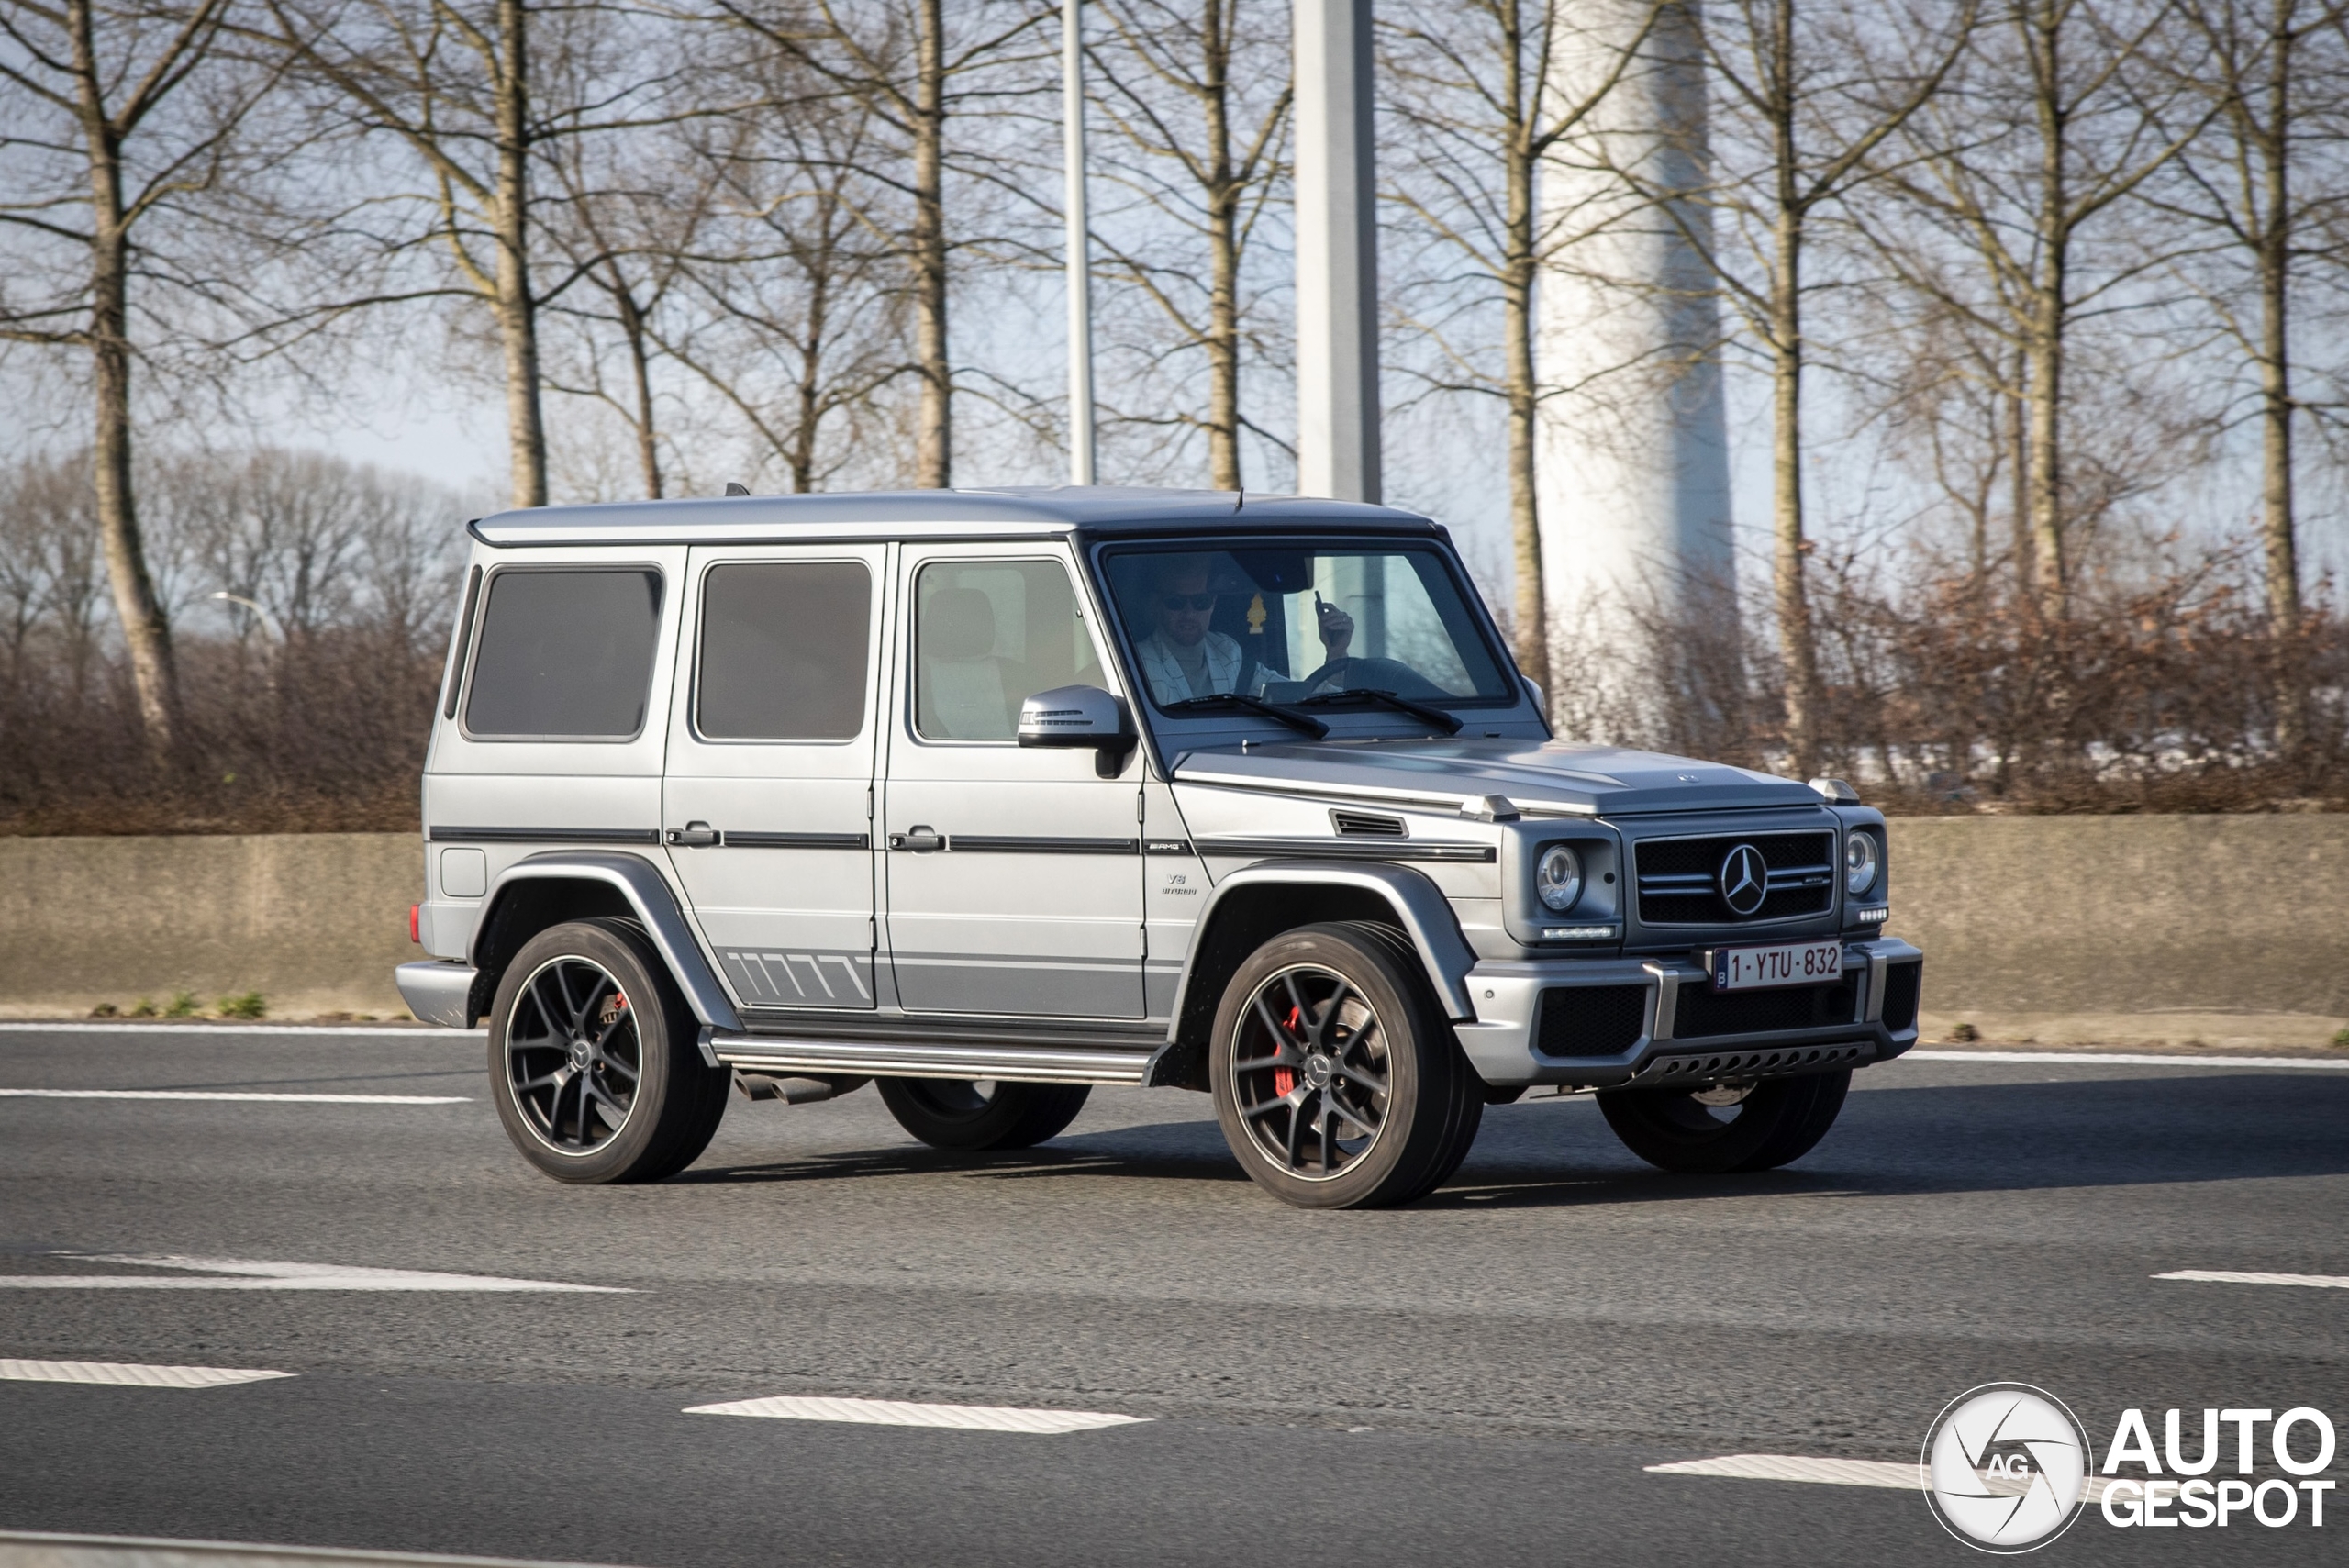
{"x":695,"y":836}
{"x":918,"y":837}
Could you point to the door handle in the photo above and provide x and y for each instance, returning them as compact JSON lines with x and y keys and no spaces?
{"x":918,"y":838}
{"x":695,"y":836}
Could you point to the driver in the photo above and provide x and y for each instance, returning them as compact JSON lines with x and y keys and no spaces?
{"x":1182,"y":658}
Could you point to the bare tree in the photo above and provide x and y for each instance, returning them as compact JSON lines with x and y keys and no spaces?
{"x":1204,"y":156}
{"x":133,"y":103}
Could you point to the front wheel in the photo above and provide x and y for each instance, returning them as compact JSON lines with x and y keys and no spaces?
{"x":968,"y":1115}
{"x":594,"y":1060}
{"x":1728,"y":1127}
{"x":1336,"y":1075}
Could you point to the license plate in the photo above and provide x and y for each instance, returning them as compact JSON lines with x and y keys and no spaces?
{"x":1787,"y":964}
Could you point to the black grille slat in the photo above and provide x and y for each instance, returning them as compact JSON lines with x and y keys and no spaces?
{"x":1902,"y":982}
{"x":1703,"y":1011}
{"x":1801,"y":867}
{"x":1367,"y":825}
{"x":1591,"y":1020}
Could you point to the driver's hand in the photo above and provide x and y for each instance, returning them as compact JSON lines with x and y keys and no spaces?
{"x":1336,"y":629}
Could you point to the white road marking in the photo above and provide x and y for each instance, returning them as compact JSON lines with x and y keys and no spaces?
{"x":2128,"y":1058}
{"x":2224,"y":1276}
{"x":229,"y":1094}
{"x":410,"y":1032}
{"x":899,"y":1413}
{"x":1909,"y":1476}
{"x":244,"y":1274}
{"x":131,"y":1374}
{"x":20,"y":1548}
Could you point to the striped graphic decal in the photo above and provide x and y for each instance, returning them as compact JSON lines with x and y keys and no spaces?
{"x":546,"y":835}
{"x":1349,"y":850}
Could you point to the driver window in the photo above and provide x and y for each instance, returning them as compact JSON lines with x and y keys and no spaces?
{"x":988,"y":634}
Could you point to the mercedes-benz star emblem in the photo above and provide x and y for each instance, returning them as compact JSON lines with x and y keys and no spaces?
{"x":1745,"y":881}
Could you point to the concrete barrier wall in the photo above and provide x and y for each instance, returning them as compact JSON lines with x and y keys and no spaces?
{"x":2121,"y":928}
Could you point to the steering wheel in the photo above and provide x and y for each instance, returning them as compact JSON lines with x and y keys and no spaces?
{"x":1387,"y":674}
{"x":1331,"y":676}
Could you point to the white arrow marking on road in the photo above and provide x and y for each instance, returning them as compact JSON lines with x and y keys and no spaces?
{"x":899,"y":1413}
{"x":1909,"y":1476}
{"x":2222,"y":1277}
{"x":131,"y":1374}
{"x":251,"y":1275}
{"x":229,"y":1095}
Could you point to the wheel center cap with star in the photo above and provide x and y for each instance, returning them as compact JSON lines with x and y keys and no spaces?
{"x":1318,"y":1070}
{"x":579,"y":1054}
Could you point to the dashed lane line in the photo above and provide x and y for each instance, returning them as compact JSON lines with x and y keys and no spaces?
{"x":1908,"y":1476}
{"x":131,"y":1374}
{"x":2126,"y":1058}
{"x":239,"y":1273}
{"x":2227,"y":1276}
{"x":233,"y":1094}
{"x":36,"y":1549}
{"x":899,"y":1413}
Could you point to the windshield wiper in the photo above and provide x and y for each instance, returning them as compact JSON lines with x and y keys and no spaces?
{"x":1448,"y":723}
{"x":1302,"y":722}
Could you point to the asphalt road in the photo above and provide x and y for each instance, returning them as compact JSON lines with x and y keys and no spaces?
{"x":1483,"y":1378}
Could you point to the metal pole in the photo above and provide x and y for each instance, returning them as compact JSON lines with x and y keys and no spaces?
{"x":1337,"y":253}
{"x":1079,"y":249}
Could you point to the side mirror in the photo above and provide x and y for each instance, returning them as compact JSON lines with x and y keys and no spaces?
{"x":1076,"y":716}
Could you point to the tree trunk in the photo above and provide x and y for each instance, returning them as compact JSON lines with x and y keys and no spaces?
{"x":2049,"y":310}
{"x":934,"y":435}
{"x":517,"y":313}
{"x":1790,"y":551}
{"x":2275,"y":263}
{"x":1223,"y":243}
{"x":648,"y":445}
{"x":146,"y":630}
{"x":1532,"y":606}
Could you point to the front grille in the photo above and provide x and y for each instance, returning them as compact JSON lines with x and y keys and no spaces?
{"x":1679,"y":879}
{"x":1900,"y":984}
{"x":1590,"y":1020}
{"x":1703,"y":1011}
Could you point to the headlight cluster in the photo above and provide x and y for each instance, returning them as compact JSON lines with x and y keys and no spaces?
{"x":1557,"y":878}
{"x":1861,"y":863}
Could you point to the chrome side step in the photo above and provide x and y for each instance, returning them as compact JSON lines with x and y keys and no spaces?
{"x":1010,"y":1064}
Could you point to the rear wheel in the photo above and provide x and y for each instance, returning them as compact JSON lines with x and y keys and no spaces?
{"x":1728,"y":1127}
{"x":975,"y":1113}
{"x":1336,"y":1076}
{"x":593,"y":1059}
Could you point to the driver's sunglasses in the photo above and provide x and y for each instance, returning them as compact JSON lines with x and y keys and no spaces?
{"x":1188,"y":601}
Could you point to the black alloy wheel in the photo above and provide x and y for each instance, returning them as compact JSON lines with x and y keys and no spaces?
{"x":1337,"y":1078}
{"x":1728,"y":1127}
{"x":594,"y":1060}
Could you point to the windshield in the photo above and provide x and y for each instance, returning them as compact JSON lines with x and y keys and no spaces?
{"x":1298,"y":624}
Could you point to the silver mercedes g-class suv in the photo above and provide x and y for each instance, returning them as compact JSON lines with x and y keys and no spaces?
{"x":988,"y":796}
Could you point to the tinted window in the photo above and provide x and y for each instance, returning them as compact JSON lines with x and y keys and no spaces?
{"x":565,"y":654}
{"x":783,"y":650}
{"x":988,"y":634}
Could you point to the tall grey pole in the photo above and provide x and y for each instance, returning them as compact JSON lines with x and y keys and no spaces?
{"x":1337,"y":253}
{"x":1079,"y":248}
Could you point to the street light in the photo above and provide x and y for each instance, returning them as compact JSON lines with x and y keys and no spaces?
{"x":268,"y":621}
{"x":1079,"y":246}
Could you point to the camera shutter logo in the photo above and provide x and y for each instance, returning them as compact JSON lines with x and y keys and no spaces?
{"x":1744,"y":880}
{"x":2005,"y":1467}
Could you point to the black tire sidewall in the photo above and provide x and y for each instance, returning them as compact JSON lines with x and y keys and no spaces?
{"x":1422,"y":1123}
{"x":1778,"y":1121}
{"x":1017,"y":1116}
{"x":679,"y":1097}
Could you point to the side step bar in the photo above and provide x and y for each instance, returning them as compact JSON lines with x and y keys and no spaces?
{"x":1011,"y":1063}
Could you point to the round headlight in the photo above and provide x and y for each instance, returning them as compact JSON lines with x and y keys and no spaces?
{"x":1859,"y":863}
{"x":1558,"y":878}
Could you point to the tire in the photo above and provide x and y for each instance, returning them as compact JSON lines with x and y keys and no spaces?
{"x":562,"y":1054}
{"x":1779,"y":1120}
{"x":1337,"y":1079}
{"x":967,"y":1115}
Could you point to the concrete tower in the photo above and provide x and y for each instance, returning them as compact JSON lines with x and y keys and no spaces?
{"x":1631,"y":458}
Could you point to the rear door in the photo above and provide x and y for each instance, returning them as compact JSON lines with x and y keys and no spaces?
{"x":767,"y":809}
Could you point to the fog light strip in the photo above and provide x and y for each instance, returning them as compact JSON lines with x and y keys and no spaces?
{"x":131,"y":1374}
{"x":899,"y":1413}
{"x":1903,"y":1477}
{"x":2222,"y":1277}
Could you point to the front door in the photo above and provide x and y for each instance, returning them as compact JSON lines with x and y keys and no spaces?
{"x":1014,"y":875}
{"x":768,"y":804}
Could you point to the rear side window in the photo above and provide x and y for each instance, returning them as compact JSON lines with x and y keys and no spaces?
{"x":784,"y":647}
{"x":565,"y":654}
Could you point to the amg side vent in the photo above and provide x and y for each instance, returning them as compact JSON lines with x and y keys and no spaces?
{"x":1365,"y":825}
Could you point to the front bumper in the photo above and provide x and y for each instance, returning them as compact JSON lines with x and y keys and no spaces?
{"x":437,"y":992}
{"x":1502,"y":1042}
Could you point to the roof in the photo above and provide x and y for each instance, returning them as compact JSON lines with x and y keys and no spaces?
{"x":1036,"y":512}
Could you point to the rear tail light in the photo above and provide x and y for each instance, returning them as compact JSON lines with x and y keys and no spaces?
{"x":415,"y":917}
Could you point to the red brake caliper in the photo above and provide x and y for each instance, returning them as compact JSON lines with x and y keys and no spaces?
{"x":1284,"y":1078}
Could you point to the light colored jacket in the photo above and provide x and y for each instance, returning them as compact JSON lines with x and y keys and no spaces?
{"x":1168,"y":684}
